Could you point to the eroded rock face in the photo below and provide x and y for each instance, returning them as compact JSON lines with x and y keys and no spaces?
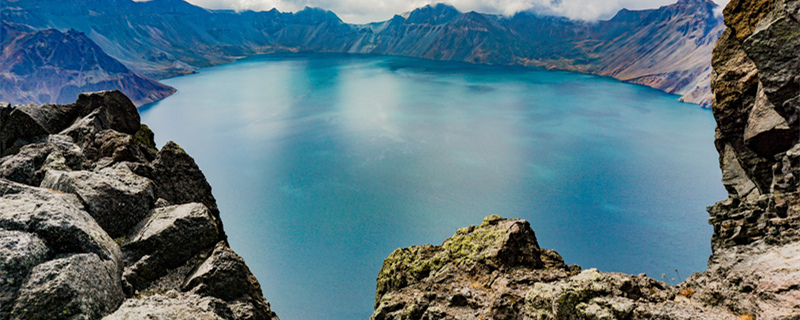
{"x":79,"y":180}
{"x":757,"y":88}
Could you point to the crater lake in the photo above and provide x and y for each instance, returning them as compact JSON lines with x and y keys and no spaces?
{"x":322,"y":165}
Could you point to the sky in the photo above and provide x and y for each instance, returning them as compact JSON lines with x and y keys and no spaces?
{"x":363,"y":11}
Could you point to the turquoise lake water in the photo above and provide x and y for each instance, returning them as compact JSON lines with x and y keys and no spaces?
{"x":323,"y":165}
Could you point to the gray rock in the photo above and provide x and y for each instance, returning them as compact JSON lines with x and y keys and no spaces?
{"x":767,"y":132}
{"x":31,"y":162}
{"x":734,"y":178}
{"x":56,"y":218}
{"x":175,"y":306}
{"x":18,"y":129}
{"x":57,"y":259}
{"x":76,"y":287}
{"x":594,"y":295}
{"x":179,"y":179}
{"x":19,"y":253}
{"x":223,"y":275}
{"x":93,"y":135}
{"x":114,"y":110}
{"x":166,"y":238}
{"x":773,"y":47}
{"x":53,"y":118}
{"x":115,"y":197}
{"x":84,"y":130}
{"x":250,"y":308}
{"x":500,"y":258}
{"x":118,"y":146}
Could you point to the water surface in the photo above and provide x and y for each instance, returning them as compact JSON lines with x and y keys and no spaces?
{"x":323,"y":165}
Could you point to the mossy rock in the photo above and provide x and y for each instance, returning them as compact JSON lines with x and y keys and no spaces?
{"x":468,"y":246}
{"x":145,"y":137}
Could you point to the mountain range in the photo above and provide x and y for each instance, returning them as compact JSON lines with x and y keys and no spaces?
{"x":668,"y":48}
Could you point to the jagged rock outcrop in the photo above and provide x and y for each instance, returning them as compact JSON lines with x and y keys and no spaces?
{"x":498,"y":271}
{"x":758,"y":92}
{"x":95,"y":222}
{"x":754,"y":271}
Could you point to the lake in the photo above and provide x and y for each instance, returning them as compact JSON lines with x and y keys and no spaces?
{"x":322,"y":165}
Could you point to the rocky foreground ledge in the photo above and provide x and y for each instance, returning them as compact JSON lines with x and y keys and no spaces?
{"x":95,"y":222}
{"x":497,"y":270}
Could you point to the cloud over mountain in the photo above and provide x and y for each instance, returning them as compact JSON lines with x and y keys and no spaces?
{"x":362,"y":11}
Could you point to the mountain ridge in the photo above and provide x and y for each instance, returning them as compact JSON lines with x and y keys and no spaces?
{"x":152,"y":38}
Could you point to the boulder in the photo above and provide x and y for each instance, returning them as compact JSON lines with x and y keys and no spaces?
{"x":735,"y":82}
{"x":93,"y":135}
{"x":225,"y":275}
{"x":19,"y":253}
{"x":53,"y":118}
{"x":58,"y":219}
{"x":173,"y":305}
{"x":75,"y":287}
{"x":167,"y":238}
{"x":18,"y":129}
{"x":734,"y":178}
{"x":119,"y":146}
{"x":29,"y":165}
{"x":100,"y":175}
{"x":111,"y":108}
{"x":179,"y":179}
{"x":115,"y":197}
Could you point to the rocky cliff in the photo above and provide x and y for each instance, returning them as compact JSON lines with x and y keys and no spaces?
{"x":50,"y":66}
{"x":668,"y":48}
{"x":498,"y":271}
{"x":95,"y":222}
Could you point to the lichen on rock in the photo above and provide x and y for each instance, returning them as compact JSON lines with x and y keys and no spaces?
{"x":474,"y":260}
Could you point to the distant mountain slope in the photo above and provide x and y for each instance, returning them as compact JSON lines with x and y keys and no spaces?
{"x":166,"y":38}
{"x":53,"y":67}
{"x":667,"y":48}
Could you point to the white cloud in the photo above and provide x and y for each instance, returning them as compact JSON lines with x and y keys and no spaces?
{"x":362,"y":11}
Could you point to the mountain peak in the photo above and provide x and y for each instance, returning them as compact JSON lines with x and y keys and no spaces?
{"x":312,"y":14}
{"x":439,"y":13}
